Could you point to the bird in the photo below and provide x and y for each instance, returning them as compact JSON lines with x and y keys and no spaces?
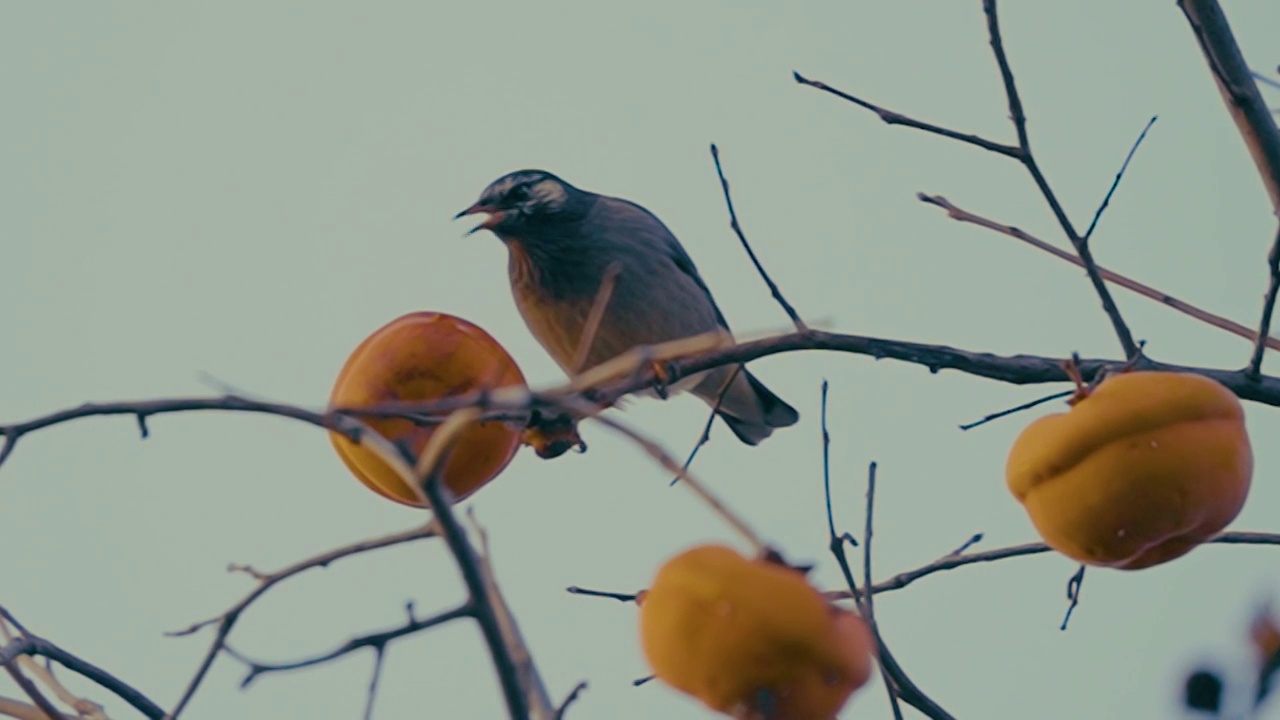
{"x":562,"y":241}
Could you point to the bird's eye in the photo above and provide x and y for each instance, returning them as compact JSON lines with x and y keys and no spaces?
{"x":519,"y":193}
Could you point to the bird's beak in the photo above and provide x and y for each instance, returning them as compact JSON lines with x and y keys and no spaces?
{"x":495,"y":216}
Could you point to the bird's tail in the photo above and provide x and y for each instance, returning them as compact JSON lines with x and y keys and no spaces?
{"x":751,"y":410}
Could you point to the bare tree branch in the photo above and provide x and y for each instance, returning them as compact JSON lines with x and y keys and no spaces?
{"x":377,"y":641}
{"x":1022,"y":153}
{"x":1013,"y":369}
{"x":1238,"y":89}
{"x":896,"y":681}
{"x":953,"y":561}
{"x":1029,"y":161}
{"x":266,"y":581}
{"x":1106,"y":200}
{"x":1235,"y":328}
{"x":31,"y":644}
{"x":891,"y":117}
{"x":737,"y":229}
{"x":1268,"y":307}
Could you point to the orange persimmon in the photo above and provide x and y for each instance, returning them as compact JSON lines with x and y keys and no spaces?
{"x":1140,"y":471}
{"x":418,"y":357}
{"x":751,"y":638}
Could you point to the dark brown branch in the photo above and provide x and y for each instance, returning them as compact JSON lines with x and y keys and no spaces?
{"x":1238,"y":89}
{"x":377,"y":641}
{"x":1268,"y":307}
{"x":29,"y":644}
{"x":737,"y":230}
{"x":228,"y":619}
{"x":1028,"y":160}
{"x":481,"y":604}
{"x":895,"y":118}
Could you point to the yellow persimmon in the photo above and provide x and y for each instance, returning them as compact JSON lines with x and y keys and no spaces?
{"x":1140,"y":471}
{"x":418,"y":357}
{"x":751,"y":638}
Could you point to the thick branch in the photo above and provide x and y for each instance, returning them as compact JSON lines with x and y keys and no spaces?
{"x":1013,"y":369}
{"x":1239,"y":91}
{"x":478,"y":593}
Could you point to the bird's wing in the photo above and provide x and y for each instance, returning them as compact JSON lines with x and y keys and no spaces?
{"x":676,"y":252}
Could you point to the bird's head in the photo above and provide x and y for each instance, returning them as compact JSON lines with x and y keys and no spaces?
{"x":523,"y":200}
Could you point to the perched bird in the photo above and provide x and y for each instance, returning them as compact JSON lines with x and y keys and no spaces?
{"x":562,"y":240}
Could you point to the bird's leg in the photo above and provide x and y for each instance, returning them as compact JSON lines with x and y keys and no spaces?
{"x":661,"y":377}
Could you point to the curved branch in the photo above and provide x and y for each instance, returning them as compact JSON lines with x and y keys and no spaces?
{"x":228,"y":619}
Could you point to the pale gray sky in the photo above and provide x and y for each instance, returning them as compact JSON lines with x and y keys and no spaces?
{"x":249,"y":189}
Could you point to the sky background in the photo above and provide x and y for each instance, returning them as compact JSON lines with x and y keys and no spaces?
{"x":248,"y":190}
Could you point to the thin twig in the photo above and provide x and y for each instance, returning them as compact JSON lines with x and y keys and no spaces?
{"x":1264,"y":79}
{"x":1268,"y":307}
{"x":961,"y":215}
{"x":620,"y":597}
{"x":1106,"y":200}
{"x":227,"y":619}
{"x":595,"y":316}
{"x":895,"y":118}
{"x":1015,"y":409}
{"x":868,"y":598}
{"x":705,"y":437}
{"x":737,"y":229}
{"x":379,"y":656}
{"x":570,"y":699}
{"x":700,"y":489}
{"x":1073,"y":595}
{"x":896,"y":681}
{"x":377,"y":641}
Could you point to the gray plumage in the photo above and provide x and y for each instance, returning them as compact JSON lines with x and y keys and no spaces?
{"x":561,"y":240}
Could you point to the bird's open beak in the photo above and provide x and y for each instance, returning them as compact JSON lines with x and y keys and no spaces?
{"x":495,"y":216}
